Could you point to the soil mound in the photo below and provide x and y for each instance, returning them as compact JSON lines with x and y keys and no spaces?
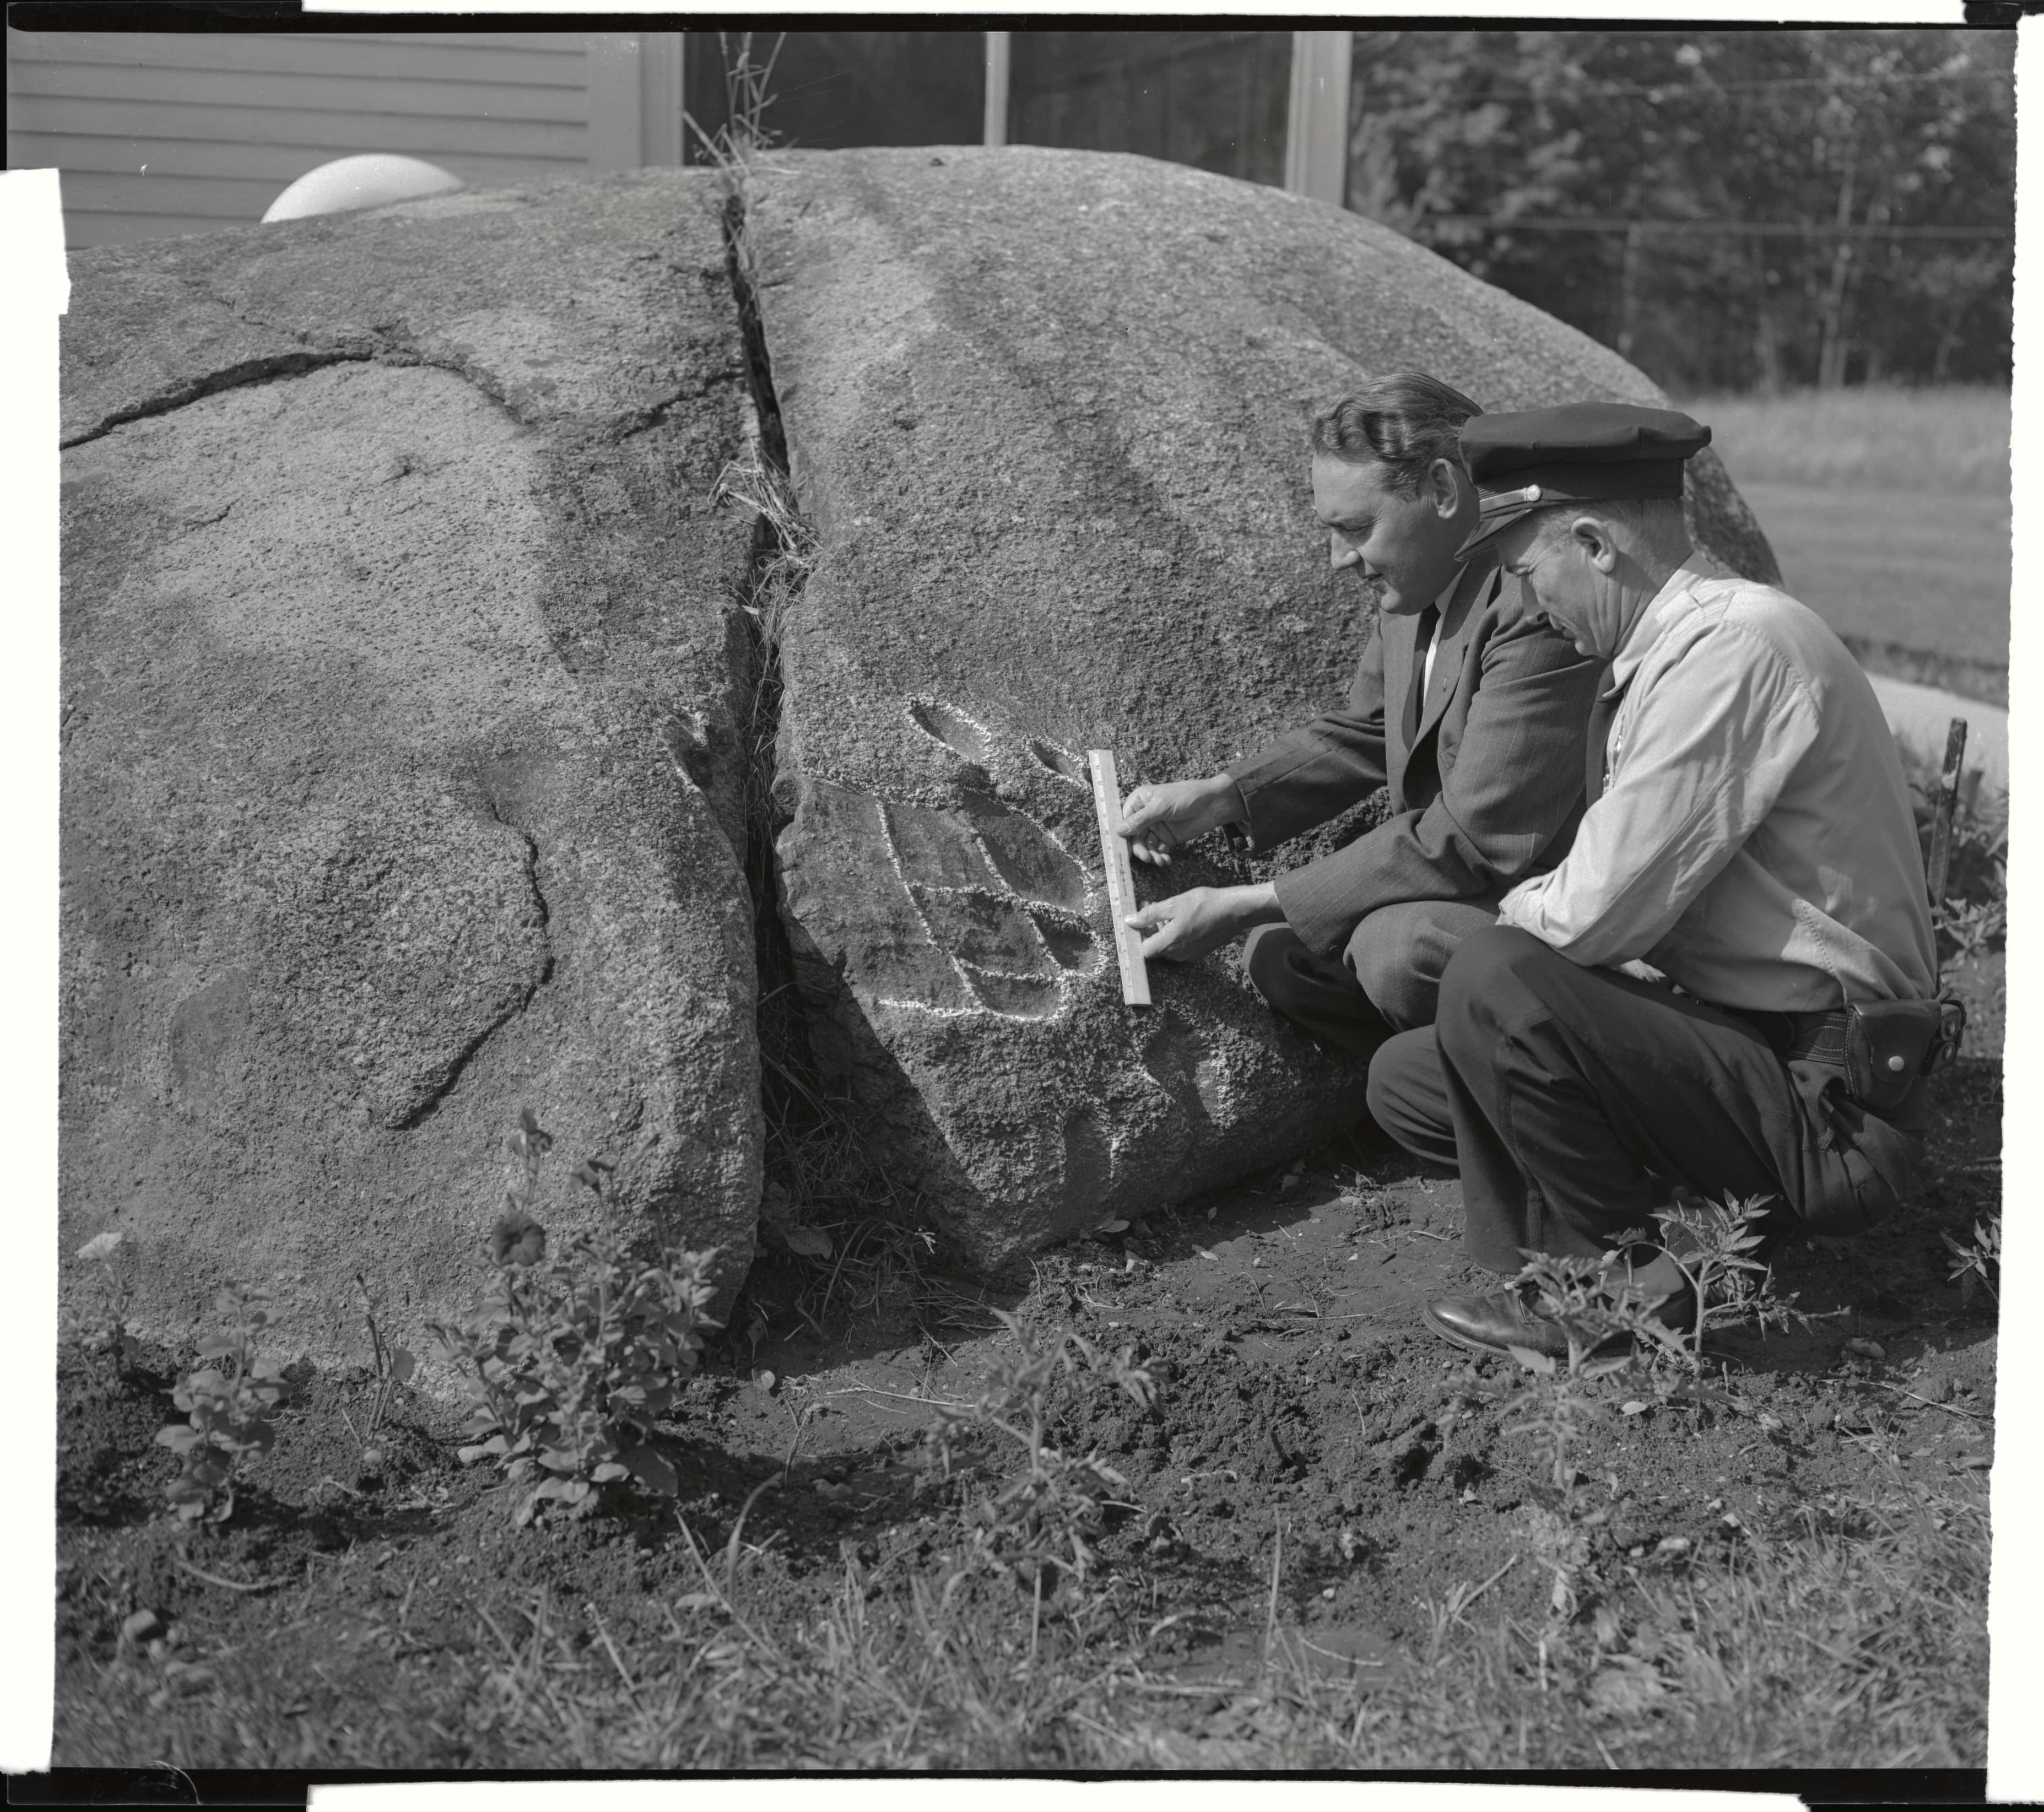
{"x":1047,"y":411}
{"x":402,"y":660}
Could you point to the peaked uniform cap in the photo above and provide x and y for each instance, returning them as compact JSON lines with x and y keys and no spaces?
{"x":1528,"y":459}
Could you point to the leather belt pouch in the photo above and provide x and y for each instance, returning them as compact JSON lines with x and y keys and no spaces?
{"x":1887,"y":1042}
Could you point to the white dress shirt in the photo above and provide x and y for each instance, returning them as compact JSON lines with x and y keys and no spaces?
{"x":1755,"y":842}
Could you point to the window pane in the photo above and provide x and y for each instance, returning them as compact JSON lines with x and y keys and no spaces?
{"x":1214,"y":99}
{"x":832,"y":89}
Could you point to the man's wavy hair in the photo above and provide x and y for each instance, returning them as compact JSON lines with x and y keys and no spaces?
{"x":1404,"y":422}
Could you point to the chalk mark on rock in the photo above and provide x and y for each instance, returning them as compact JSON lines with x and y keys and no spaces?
{"x":995,"y":892}
{"x":945,"y":724}
{"x":1059,"y":762}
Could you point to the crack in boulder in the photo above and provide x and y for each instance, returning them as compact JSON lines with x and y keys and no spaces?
{"x":239,"y":376}
{"x":380,"y":345}
{"x":439,"y":1087}
{"x":790,"y":1088}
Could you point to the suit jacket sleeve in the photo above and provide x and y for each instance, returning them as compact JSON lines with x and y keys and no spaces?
{"x":1513,"y":794}
{"x":1316,"y":773}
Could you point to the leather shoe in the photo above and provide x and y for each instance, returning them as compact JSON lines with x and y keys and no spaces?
{"x":1495,"y":1321}
{"x":1500,"y":1319}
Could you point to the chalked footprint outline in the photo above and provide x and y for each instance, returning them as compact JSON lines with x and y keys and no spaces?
{"x":1092,"y":1152}
{"x":1171,"y":1045}
{"x":1026,"y":892}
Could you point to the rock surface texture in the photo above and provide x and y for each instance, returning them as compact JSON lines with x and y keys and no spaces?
{"x":1046,"y":411}
{"x":409,"y":705}
{"x":401,"y":656}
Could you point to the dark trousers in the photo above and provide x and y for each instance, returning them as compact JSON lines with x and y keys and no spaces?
{"x":1388,"y":980}
{"x":1571,"y":1098}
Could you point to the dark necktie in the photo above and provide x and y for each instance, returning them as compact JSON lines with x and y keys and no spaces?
{"x":1594,"y":764}
{"x":1416,"y":695}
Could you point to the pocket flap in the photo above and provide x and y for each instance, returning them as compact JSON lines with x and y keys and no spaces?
{"x":1885,"y":1047}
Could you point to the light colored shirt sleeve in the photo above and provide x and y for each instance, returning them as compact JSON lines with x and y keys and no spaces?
{"x":1709,"y":742}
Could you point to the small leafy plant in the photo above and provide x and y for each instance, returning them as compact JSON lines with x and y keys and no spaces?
{"x":229,"y":1407}
{"x":1591,"y":1304}
{"x":1555,"y":1403}
{"x":1715,"y":1245}
{"x":1040,"y":1524}
{"x":1973,"y":916}
{"x":1971,"y":1258}
{"x":395,"y":1367}
{"x":109,"y":1332}
{"x":1608,"y":1319}
{"x":1974,"y":927}
{"x":1605,"y":1319}
{"x":577,"y":1352}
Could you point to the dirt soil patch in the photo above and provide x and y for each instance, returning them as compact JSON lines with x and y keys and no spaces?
{"x":1320,"y":1491}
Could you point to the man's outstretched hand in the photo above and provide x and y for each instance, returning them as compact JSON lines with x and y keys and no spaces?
{"x":1159,"y":819}
{"x":1189,"y":925}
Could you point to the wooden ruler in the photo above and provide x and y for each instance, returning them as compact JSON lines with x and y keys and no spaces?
{"x":1121,"y":883}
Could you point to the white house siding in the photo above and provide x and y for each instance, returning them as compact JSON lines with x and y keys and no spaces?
{"x":163,"y":133}
{"x":158,"y":133}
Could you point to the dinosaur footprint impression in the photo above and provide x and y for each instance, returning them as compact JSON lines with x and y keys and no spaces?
{"x":999,"y":920}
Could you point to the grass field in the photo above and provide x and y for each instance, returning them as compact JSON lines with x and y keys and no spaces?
{"x":1888,"y":510}
{"x":1948,"y":441}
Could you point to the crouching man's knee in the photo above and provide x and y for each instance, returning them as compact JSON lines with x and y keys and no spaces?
{"x":1486,"y":979}
{"x":1399,"y":953}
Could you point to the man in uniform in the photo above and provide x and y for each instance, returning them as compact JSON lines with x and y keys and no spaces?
{"x":1728,"y":983}
{"x":1472,"y":715}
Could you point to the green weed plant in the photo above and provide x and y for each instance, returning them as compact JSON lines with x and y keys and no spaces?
{"x":108,"y":1331}
{"x":1609,"y":1325}
{"x":1973,"y":1258}
{"x":1558,"y":1399}
{"x":1972,"y":918}
{"x":1718,"y":1246}
{"x":578,"y":1353}
{"x":229,"y":1406}
{"x":395,"y":1367}
{"x":1039,"y":1524}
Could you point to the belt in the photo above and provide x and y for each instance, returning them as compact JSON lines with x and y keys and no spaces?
{"x":1816,"y":1037}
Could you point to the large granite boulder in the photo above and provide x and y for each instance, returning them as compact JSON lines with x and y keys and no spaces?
{"x":409,"y":695}
{"x":1046,"y":411}
{"x":403,"y":662}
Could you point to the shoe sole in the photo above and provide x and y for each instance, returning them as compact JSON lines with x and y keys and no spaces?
{"x":1469,"y":1344}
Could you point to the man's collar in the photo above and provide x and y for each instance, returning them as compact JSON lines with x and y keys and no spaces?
{"x":1478,"y":569}
{"x":1647,"y":626}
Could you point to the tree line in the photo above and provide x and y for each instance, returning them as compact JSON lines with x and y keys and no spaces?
{"x":1757,"y":209}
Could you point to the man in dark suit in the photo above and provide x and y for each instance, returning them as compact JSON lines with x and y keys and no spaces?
{"x":1471,"y":713}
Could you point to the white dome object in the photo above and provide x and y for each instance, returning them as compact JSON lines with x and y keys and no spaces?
{"x":368,"y":181}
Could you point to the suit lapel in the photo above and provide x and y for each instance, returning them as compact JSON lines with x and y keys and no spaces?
{"x":1398,"y":633}
{"x":1457,"y":621}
